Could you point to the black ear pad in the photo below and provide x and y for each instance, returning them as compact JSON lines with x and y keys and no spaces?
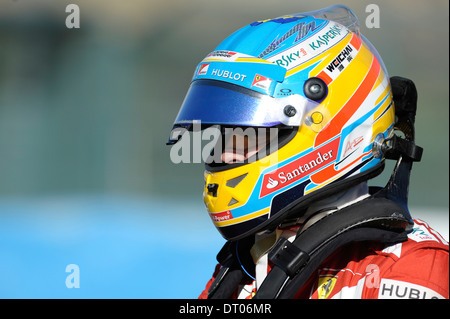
{"x":315,"y":89}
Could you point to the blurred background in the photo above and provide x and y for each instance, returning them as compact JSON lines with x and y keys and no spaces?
{"x":85,"y":175}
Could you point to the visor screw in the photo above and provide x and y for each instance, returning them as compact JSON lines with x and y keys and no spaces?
{"x":289,"y":110}
{"x":379,"y":146}
{"x":317,"y":117}
{"x":315,"y":89}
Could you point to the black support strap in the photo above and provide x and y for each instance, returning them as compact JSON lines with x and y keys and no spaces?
{"x":397,"y":146}
{"x":405,"y":99}
{"x":288,"y":256}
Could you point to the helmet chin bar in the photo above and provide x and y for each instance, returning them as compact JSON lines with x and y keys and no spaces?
{"x":382,"y":217}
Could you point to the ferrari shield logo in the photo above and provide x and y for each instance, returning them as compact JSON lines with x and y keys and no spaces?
{"x":326,"y":285}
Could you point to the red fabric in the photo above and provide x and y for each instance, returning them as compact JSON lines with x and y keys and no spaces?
{"x":415,"y":269}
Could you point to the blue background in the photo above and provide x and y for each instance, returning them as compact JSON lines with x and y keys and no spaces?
{"x":124,"y":248}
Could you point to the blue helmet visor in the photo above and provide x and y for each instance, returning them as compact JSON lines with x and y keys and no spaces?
{"x":216,"y":102}
{"x":212,"y":102}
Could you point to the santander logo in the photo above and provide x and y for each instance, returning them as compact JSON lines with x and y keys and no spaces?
{"x":272,"y":183}
{"x":299,"y":168}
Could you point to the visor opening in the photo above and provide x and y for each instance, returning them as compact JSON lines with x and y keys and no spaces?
{"x":243,"y":145}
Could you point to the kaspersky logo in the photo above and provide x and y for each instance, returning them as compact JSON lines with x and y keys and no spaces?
{"x":300,"y":168}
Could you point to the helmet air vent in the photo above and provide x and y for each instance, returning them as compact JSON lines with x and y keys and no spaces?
{"x":233,"y":201}
{"x":235,"y":181}
{"x":212,"y":189}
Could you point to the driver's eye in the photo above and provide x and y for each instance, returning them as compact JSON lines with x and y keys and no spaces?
{"x":239,"y":147}
{"x":243,"y":145}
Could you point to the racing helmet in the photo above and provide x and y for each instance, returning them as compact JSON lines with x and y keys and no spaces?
{"x":312,"y":97}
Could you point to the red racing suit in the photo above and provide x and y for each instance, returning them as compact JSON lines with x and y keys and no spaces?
{"x":415,"y":269}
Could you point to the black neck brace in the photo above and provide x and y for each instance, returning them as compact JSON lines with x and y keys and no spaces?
{"x":374,"y":218}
